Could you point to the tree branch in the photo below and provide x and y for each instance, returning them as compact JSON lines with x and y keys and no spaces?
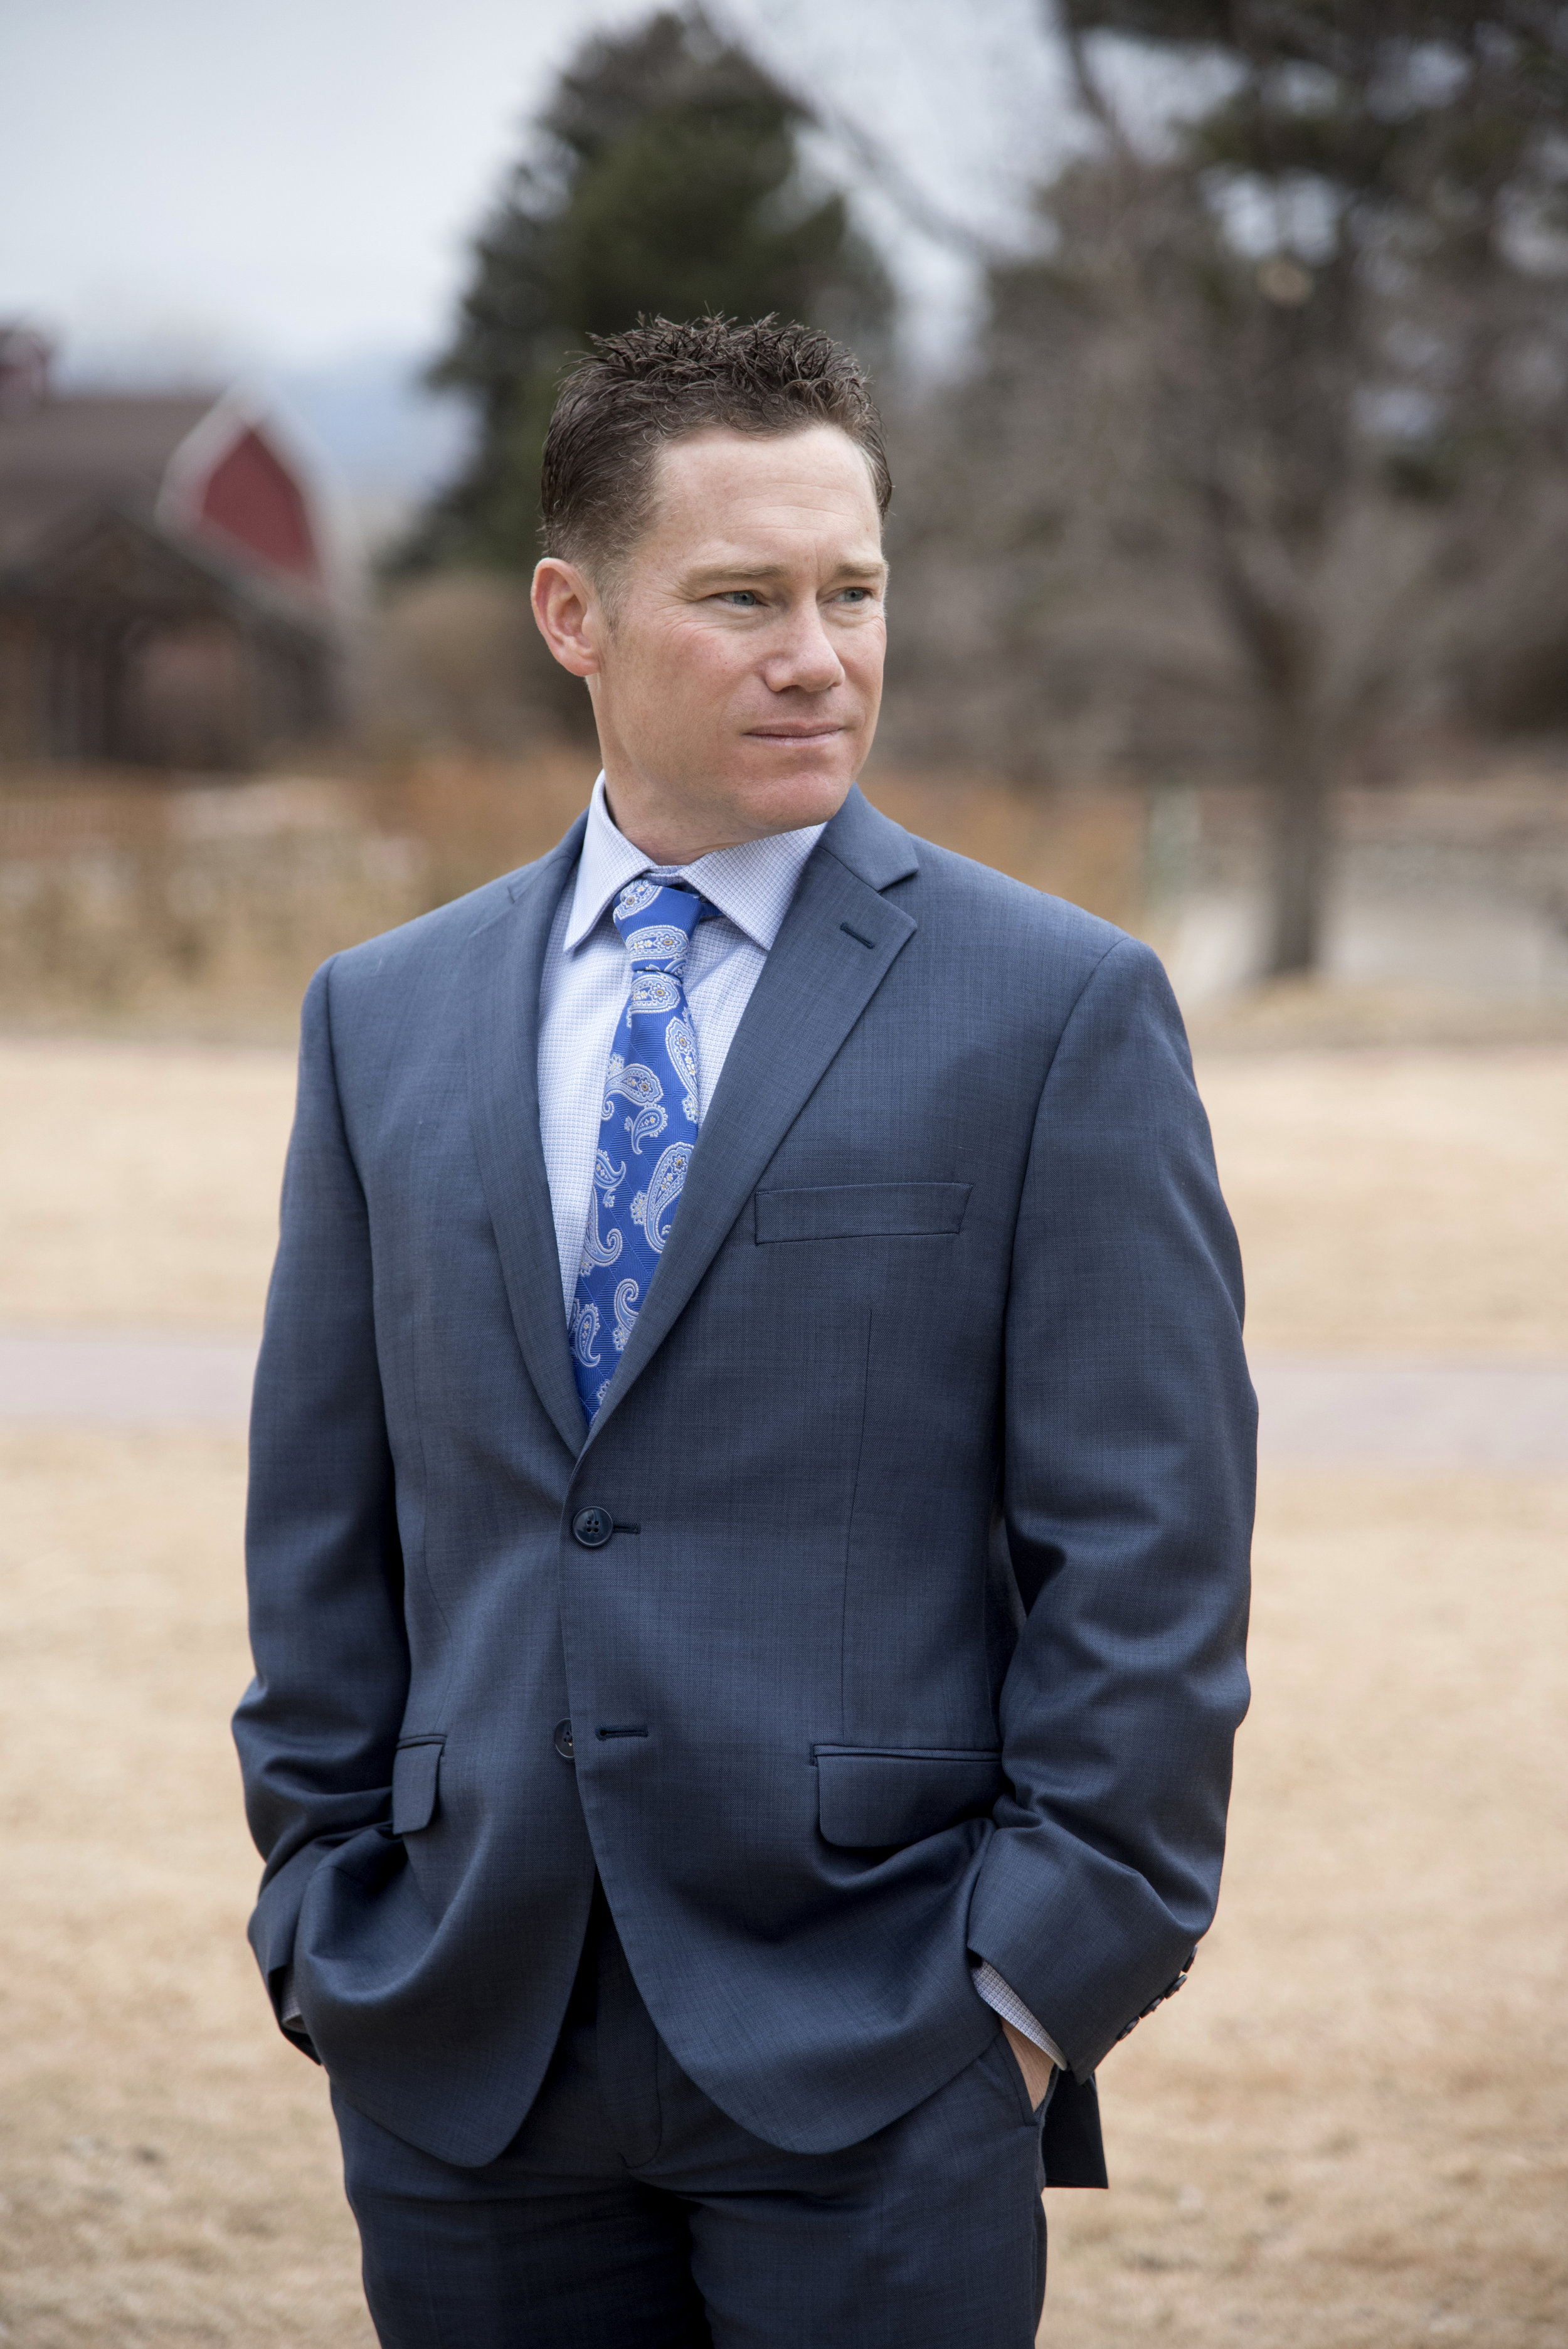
{"x":919,"y":207}
{"x":1092,"y":95}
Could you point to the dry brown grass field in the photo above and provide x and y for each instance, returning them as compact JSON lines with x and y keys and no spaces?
{"x":1349,"y":2130}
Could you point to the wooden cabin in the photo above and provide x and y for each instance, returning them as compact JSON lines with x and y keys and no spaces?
{"x":164,"y":591}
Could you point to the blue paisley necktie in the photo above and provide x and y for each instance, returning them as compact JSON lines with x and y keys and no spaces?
{"x":646,"y":1135}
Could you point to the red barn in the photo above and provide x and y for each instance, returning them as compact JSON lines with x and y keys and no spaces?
{"x":163,"y":598}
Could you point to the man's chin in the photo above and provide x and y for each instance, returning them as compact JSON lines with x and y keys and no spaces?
{"x":806,"y":786}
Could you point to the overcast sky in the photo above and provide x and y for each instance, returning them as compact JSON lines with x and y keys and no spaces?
{"x":201,"y":183}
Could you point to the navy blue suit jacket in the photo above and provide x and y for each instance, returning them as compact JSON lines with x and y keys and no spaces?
{"x":919,"y":1631}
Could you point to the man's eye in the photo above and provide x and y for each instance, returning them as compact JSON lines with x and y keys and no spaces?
{"x":746,"y":597}
{"x":857,"y":594}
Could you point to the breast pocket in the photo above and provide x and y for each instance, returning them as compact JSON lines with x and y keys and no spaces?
{"x":872,"y":1796}
{"x":857,"y":1211}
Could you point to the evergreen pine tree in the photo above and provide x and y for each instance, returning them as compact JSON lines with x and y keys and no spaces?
{"x":665,"y":178}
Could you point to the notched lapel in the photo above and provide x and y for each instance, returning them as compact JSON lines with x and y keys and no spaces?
{"x":506,"y":963}
{"x":839,"y":940}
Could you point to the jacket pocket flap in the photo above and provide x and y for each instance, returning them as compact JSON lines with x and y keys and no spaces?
{"x":852,"y":1211}
{"x":415,"y":1770}
{"x":869,"y":1796}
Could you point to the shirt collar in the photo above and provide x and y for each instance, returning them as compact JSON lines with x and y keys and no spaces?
{"x":751,"y":885}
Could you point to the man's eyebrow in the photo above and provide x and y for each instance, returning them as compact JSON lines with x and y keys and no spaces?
{"x":762,"y":573}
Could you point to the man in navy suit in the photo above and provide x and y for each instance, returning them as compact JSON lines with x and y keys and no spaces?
{"x":751,"y":1479}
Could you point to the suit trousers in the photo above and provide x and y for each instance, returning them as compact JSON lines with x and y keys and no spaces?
{"x":629,"y":2212}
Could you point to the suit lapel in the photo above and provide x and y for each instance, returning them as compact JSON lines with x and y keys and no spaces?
{"x":506,"y":962}
{"x":839,"y":941}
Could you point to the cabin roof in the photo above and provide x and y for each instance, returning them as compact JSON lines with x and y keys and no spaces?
{"x":78,"y":451}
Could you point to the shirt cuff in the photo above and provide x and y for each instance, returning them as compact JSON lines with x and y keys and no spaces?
{"x":288,"y":2004}
{"x":1003,"y":2000}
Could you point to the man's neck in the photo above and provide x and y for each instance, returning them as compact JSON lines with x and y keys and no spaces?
{"x":668,"y":843}
{"x":666,"y":847}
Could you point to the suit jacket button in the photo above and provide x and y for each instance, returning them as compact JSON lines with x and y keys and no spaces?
{"x":563,"y":1741}
{"x":593,"y":1528}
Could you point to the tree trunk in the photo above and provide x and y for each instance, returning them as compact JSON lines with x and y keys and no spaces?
{"x":1299,"y":849}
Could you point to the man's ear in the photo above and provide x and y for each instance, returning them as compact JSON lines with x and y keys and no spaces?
{"x":569,"y":615}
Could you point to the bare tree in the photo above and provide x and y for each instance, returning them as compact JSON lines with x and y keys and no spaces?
{"x":1343,"y":281}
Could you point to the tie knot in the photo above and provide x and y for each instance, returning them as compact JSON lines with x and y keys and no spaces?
{"x":655,"y":921}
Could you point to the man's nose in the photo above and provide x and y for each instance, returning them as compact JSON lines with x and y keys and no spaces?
{"x":804,"y":661}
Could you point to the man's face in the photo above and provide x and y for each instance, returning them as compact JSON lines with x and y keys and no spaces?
{"x":737,"y":683}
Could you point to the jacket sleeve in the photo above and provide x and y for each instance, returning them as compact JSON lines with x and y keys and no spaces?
{"x":317,"y":1726}
{"x":1129,"y":1443}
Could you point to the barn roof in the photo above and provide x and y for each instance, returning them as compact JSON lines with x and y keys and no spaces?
{"x":76,"y":452}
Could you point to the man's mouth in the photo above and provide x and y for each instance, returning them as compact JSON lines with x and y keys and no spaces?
{"x":815,"y":730}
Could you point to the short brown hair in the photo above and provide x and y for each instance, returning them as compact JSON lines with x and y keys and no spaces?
{"x":662,"y":380}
